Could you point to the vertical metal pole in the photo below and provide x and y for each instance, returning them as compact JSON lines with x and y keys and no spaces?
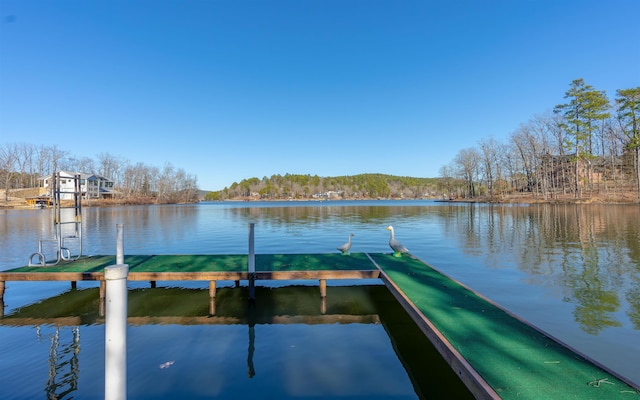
{"x":252,"y":263}
{"x":115,"y":372}
{"x":120,"y":244}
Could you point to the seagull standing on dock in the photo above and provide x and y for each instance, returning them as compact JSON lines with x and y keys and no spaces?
{"x":396,"y":246}
{"x":347,"y":246}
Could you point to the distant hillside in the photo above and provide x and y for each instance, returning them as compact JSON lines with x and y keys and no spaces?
{"x":293,"y":186}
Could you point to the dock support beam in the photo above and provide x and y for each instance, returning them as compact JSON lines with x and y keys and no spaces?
{"x":323,"y":296}
{"x":323,"y":288}
{"x":115,"y":372}
{"x":103,"y":295}
{"x":252,"y":264}
{"x":212,"y":297}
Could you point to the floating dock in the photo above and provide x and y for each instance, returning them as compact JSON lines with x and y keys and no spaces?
{"x":495,"y":353}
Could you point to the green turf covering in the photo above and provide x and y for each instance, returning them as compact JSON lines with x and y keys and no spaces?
{"x":514,"y":358}
{"x":213,"y":262}
{"x":313,"y":262}
{"x":149,"y":263}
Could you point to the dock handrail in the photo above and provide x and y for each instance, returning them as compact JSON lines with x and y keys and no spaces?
{"x":61,"y":219}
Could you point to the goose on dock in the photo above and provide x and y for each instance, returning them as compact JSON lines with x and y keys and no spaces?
{"x":347,"y":246}
{"x":397,"y":247}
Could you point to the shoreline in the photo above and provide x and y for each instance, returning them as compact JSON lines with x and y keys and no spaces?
{"x":16,"y":203}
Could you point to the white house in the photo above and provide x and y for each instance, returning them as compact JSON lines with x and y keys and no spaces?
{"x":91,"y":186}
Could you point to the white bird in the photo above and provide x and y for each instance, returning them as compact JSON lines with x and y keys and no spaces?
{"x":347,"y":246}
{"x":396,"y":246}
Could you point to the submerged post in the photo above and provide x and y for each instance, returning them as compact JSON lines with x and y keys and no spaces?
{"x":252,"y":263}
{"x":103,"y":295}
{"x":1,"y":299}
{"x":115,"y":372}
{"x":212,"y":297}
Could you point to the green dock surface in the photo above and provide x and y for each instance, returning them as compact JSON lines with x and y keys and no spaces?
{"x":211,"y":263}
{"x":514,"y":359}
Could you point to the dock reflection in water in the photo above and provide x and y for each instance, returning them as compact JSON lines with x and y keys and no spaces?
{"x":356,"y":342}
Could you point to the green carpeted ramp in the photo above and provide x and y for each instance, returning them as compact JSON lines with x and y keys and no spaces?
{"x":516,"y":360}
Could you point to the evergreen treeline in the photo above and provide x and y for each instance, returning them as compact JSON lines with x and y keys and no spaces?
{"x":586,"y":147}
{"x":22,"y":165}
{"x":363,"y":186}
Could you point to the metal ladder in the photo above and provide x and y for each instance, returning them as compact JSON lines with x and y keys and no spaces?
{"x":67,"y":225}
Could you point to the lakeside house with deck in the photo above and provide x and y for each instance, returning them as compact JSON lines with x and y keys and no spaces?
{"x":92,"y":186}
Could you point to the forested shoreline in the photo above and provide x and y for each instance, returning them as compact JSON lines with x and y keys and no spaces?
{"x":300,"y":187}
{"x":586,"y":148}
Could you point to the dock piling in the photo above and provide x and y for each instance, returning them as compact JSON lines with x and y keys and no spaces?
{"x":115,"y":373}
{"x":212,"y":297}
{"x":103,"y":294}
{"x":323,"y":296}
{"x":119,"y":244}
{"x":252,"y":263}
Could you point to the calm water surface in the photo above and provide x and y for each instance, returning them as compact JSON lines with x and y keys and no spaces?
{"x":571,"y":270}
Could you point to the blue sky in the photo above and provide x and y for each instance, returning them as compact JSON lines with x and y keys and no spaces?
{"x":228,"y":90}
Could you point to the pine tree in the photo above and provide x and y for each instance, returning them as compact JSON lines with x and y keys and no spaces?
{"x":586,"y":107}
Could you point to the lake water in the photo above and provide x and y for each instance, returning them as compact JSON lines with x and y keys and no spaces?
{"x":571,"y":270}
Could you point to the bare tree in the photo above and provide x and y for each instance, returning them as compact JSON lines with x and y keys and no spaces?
{"x":30,"y":154}
{"x":628,"y":108}
{"x":84,"y":165}
{"x":467,"y":161}
{"x":447,"y":173}
{"x":8,"y":162}
{"x":25,"y":158}
{"x":613,"y":148}
{"x":165,"y":184}
{"x":50,"y":159}
{"x":111,"y":167}
{"x":489,"y":150}
{"x":520,"y":141}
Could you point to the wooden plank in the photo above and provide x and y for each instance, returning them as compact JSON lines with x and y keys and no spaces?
{"x":321,"y":274}
{"x":191,"y":276}
{"x":51,"y":276}
{"x":188,"y":276}
{"x":203,"y":320}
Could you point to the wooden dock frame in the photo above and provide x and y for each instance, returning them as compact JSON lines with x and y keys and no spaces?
{"x":250,"y":275}
{"x":211,"y":277}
